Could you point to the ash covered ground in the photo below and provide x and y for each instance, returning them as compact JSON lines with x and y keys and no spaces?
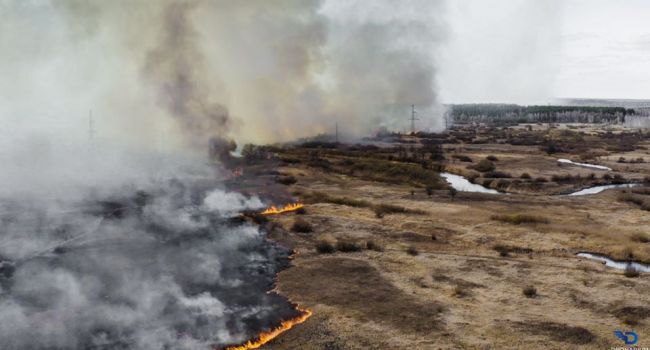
{"x":162,"y":268}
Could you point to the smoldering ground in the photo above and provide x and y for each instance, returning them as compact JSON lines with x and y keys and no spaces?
{"x":154,"y":269}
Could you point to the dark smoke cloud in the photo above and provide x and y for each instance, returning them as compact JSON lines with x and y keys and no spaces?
{"x":175,"y":67}
{"x":274,"y":70}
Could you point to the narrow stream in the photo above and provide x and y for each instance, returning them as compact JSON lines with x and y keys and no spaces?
{"x":463,"y":185}
{"x":601,"y":188}
{"x":584,"y":165}
{"x":620,"y":265}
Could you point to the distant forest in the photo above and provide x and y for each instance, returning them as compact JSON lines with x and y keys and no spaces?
{"x":513,"y":114}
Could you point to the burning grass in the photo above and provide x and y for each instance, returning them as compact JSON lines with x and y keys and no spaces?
{"x":269,"y":335}
{"x":273,"y":210}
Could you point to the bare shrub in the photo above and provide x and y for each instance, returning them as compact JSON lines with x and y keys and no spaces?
{"x":412,"y":251}
{"x":383,"y":209}
{"x":484,"y":166}
{"x":301,"y":226}
{"x":640,"y":237}
{"x":461,"y":291}
{"x":372,"y":245}
{"x":518,"y":219}
{"x":631,"y":272}
{"x":462,"y":158}
{"x":497,"y":175}
{"x":348,"y":246}
{"x":324,"y":247}
{"x":530,"y":291}
{"x":286,"y":180}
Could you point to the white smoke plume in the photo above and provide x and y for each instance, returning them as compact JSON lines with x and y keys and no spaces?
{"x":159,"y":269}
{"x":99,"y":248}
{"x":174,"y":72}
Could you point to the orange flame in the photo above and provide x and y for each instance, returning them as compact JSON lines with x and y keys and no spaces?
{"x":267,"y":336}
{"x":289,"y":207}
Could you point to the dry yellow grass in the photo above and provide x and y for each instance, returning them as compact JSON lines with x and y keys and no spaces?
{"x":458,"y":292}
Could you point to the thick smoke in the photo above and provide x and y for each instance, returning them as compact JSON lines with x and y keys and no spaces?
{"x":175,"y":67}
{"x":256,"y":70}
{"x":382,"y":56}
{"x":153,"y":270}
{"x":99,"y":247}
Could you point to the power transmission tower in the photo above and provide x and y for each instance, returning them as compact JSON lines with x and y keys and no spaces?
{"x":336,"y":127}
{"x":413,"y":119}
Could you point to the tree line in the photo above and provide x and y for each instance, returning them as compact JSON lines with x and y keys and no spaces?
{"x":513,"y":114}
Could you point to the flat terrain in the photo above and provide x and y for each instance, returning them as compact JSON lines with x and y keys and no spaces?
{"x":444,"y":271}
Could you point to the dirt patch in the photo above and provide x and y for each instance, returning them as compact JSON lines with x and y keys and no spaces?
{"x":358,"y":288}
{"x":632,"y":315}
{"x":559,"y":332}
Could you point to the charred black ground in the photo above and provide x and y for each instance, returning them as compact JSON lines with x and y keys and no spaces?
{"x":165,"y":267}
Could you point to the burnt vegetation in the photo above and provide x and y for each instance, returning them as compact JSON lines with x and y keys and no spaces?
{"x":518,"y":219}
{"x":301,"y":226}
{"x":559,"y":332}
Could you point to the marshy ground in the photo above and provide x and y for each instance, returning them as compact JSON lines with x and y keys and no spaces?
{"x":389,"y":258}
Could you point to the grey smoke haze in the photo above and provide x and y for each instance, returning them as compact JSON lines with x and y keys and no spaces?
{"x":90,"y":261}
{"x":142,"y":270}
{"x":502,"y":51}
{"x":182,"y":71}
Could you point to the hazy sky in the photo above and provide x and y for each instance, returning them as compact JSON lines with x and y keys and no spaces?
{"x":532,"y":51}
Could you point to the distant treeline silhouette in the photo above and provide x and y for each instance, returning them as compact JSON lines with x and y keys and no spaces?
{"x":512,"y":114}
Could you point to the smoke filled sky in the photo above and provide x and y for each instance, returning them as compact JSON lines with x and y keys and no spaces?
{"x":529,"y":51}
{"x":172,"y":73}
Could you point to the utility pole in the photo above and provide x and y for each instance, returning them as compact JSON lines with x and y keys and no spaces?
{"x":336,"y":129}
{"x":413,"y":119}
